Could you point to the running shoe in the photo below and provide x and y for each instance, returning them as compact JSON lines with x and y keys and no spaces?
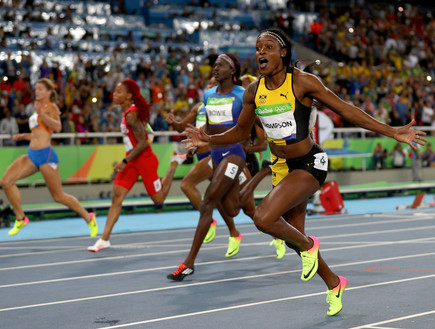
{"x":179,"y":158}
{"x":211,"y":232}
{"x":233,"y":246}
{"x":333,"y":297}
{"x":280,"y":248}
{"x":99,"y":245}
{"x":19,"y":224}
{"x":181,"y":272}
{"x":93,"y":227}
{"x":310,"y":260}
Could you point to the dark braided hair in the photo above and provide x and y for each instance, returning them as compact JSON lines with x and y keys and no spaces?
{"x":138,"y":100}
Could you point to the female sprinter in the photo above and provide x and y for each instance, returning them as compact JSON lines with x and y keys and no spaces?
{"x":282,"y":99}
{"x":223,"y":104}
{"x":202,"y":171}
{"x":257,"y":143}
{"x":41,"y":156}
{"x":140,"y":159}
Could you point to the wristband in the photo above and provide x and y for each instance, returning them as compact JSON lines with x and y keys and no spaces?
{"x":124,"y":160}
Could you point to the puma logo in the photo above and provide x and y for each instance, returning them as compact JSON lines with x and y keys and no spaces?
{"x":284,"y":95}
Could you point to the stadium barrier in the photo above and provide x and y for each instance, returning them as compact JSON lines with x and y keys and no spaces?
{"x":94,"y":162}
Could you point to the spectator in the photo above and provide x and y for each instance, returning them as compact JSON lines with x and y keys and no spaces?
{"x":416,"y":164}
{"x":428,"y":156}
{"x":110,"y":125}
{"x":181,"y":106}
{"x":183,"y":78}
{"x":18,"y":86}
{"x":5,"y":91}
{"x":8,"y":126}
{"x":26,"y":94}
{"x":315,"y":29}
{"x":82,"y":127}
{"x":428,"y":113}
{"x":398,"y":155}
{"x":378,"y":157}
{"x":157,"y":91}
{"x":205,"y":69}
{"x":22,"y":118}
{"x":172,"y":63}
{"x":368,"y":106}
{"x":68,"y":126}
{"x":44,"y":69}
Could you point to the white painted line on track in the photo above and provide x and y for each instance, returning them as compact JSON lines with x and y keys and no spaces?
{"x":99,"y":275}
{"x":376,"y":325}
{"x":261,"y":303}
{"x":74,"y":248}
{"x":224,"y":280}
{"x":80,"y":261}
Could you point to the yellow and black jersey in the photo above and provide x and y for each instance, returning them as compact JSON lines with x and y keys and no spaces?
{"x":285,"y":120}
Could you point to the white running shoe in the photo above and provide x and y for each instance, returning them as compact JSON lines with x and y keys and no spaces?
{"x":179,"y":158}
{"x":99,"y":245}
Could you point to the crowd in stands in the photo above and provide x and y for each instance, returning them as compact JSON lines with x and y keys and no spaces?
{"x":385,"y":64}
{"x":385,"y":58}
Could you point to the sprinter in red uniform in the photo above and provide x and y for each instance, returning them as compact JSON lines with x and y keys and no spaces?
{"x":140,"y":159}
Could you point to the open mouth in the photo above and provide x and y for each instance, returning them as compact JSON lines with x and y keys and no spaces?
{"x":263,"y":62}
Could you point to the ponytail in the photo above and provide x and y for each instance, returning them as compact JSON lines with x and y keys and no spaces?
{"x":138,"y":100}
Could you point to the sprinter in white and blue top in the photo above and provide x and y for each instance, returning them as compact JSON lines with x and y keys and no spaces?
{"x":203,"y":169}
{"x":222,"y":112}
{"x":223,"y":105}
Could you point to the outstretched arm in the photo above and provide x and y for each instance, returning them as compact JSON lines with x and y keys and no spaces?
{"x":311,"y":87}
{"x":189,"y":118}
{"x":19,"y":137}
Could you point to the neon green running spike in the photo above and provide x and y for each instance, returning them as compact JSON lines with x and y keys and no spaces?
{"x":19,"y":224}
{"x":233,"y":246}
{"x":310,"y":260}
{"x":333,"y":297}
{"x":93,"y":227}
{"x":211,"y":232}
{"x":280,"y":248}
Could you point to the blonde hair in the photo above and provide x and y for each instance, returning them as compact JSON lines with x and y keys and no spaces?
{"x":50,"y":86}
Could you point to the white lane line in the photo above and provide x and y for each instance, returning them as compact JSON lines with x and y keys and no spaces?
{"x":383,"y":328}
{"x":375,"y":325}
{"x":218,"y":281}
{"x":261,"y":303}
{"x":153,"y":269}
{"x":425,"y":228}
{"x":4,"y":246}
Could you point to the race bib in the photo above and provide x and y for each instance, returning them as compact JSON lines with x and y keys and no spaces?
{"x":321,"y":161}
{"x":242,"y":178}
{"x":219,"y":111}
{"x":157,"y":185}
{"x":33,"y":121}
{"x":278,"y":121}
{"x":231,"y":170}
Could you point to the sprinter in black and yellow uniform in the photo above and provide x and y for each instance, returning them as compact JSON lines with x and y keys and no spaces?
{"x":282,"y":99}
{"x":287,"y":121}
